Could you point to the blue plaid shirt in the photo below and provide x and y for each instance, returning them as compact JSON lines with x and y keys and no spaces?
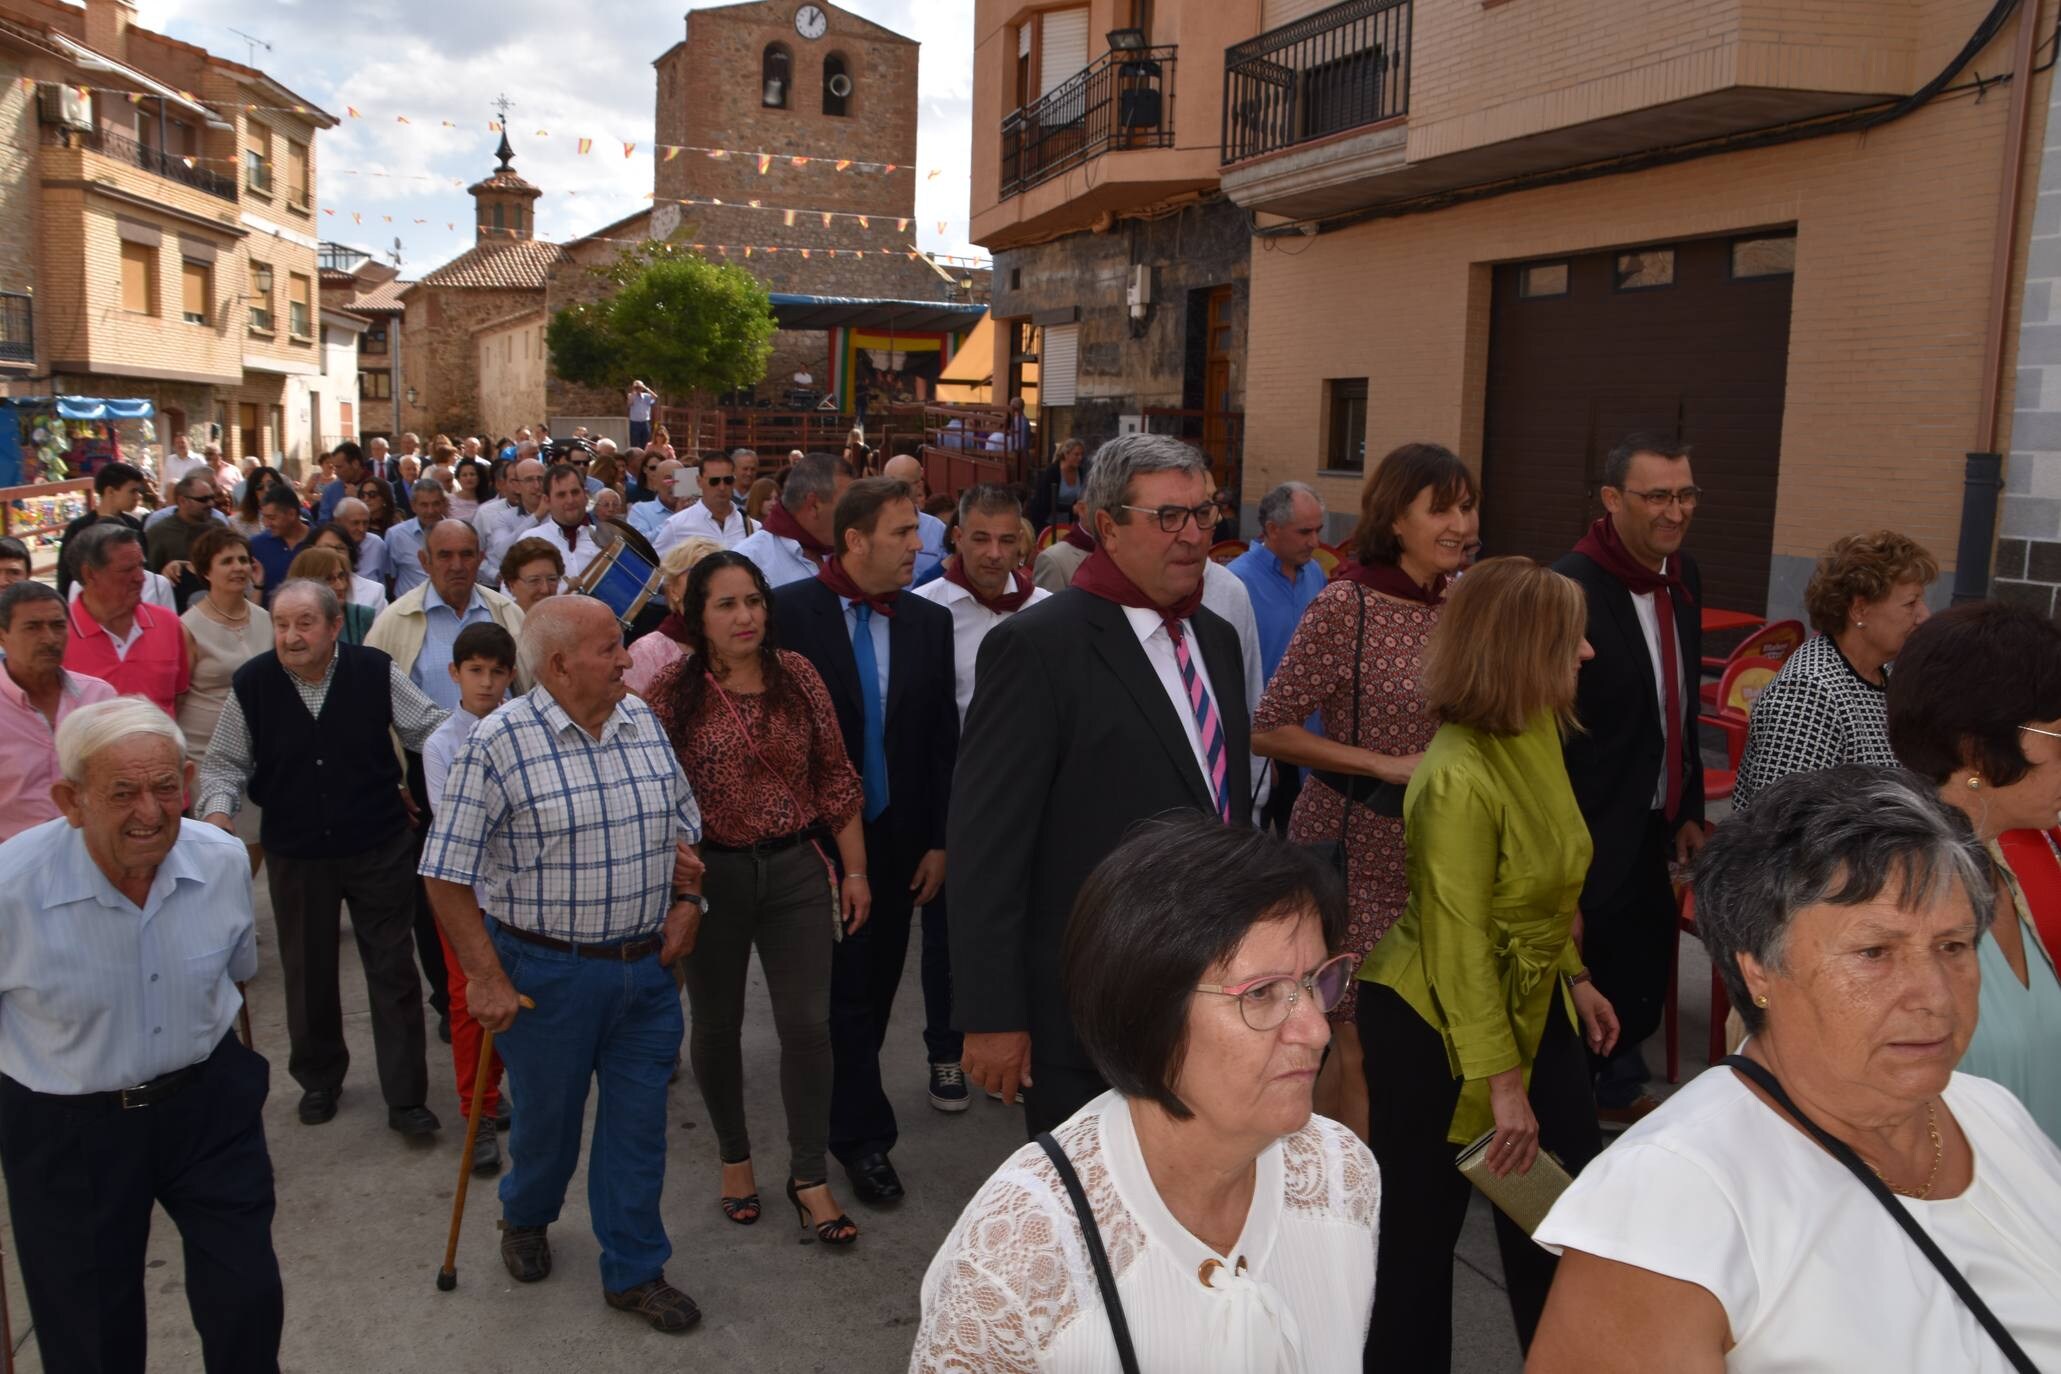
{"x":561,"y":834}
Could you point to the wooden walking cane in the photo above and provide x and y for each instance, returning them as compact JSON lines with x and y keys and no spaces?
{"x":447,"y":1277}
{"x":243,"y":1016}
{"x":6,"y":1325}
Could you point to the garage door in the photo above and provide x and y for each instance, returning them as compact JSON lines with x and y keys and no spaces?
{"x":1690,"y":340}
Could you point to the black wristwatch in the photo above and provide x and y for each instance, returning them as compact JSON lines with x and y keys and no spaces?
{"x":694,"y":897}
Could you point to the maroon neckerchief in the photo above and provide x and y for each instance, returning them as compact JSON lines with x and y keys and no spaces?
{"x":838,"y":580}
{"x":1078,"y":536}
{"x":1607,"y":551}
{"x":779,"y":520}
{"x":1005,"y":604}
{"x":1098,"y":575}
{"x":674,"y":627}
{"x":571,"y":533}
{"x":1390,"y":580}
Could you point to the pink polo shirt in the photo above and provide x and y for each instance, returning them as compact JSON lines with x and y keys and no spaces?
{"x":28,"y":749}
{"x":155,"y":665}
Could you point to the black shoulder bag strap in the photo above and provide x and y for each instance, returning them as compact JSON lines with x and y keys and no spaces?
{"x":1092,"y":1233}
{"x":1858,"y":1167}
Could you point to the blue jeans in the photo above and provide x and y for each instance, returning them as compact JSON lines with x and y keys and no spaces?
{"x":594,"y":1018}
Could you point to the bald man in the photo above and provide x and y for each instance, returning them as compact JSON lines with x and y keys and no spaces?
{"x":508,"y":518}
{"x":930,"y":561}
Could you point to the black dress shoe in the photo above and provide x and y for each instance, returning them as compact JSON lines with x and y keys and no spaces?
{"x":486,"y":1150}
{"x":317,"y":1106}
{"x":526,"y":1251}
{"x":874,"y":1180}
{"x":412,"y":1120}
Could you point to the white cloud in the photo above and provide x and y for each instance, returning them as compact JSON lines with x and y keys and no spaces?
{"x":439,"y":60}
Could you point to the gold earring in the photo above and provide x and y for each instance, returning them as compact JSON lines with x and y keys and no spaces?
{"x":1975,"y":784}
{"x":1860,"y":624}
{"x":1761,"y":1000}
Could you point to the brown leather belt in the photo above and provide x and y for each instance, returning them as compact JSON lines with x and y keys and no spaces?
{"x":624,"y":951}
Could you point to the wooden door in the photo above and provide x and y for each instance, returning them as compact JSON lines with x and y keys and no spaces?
{"x":1216,"y":384}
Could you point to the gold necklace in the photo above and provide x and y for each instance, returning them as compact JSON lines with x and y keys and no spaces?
{"x":1938,"y":1152}
{"x":208,"y":605}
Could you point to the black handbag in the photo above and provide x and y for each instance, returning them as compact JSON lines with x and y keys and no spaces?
{"x":1105,"y":1278}
{"x":1858,"y":1167}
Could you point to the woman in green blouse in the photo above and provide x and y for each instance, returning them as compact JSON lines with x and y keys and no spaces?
{"x":1469,"y":1013}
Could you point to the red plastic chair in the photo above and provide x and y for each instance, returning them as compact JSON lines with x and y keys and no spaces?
{"x":1776,"y":641}
{"x":1740,"y":687}
{"x":1052,"y":535}
{"x":1224,"y":550}
{"x":1720,"y":1005}
{"x":1328,"y":559}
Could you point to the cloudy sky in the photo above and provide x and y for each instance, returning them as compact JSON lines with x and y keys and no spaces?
{"x":578,"y":69}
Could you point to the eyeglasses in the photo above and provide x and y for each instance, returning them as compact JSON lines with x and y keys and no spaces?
{"x":1265,"y":1003}
{"x":1661,"y":498}
{"x":2035,"y":730}
{"x":1173,"y":519}
{"x":719,"y":481}
{"x":537,"y":582}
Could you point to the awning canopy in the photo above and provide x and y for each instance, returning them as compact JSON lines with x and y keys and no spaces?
{"x":85,"y":407}
{"x":908,"y":317}
{"x":99,"y":62}
{"x":969,"y":378}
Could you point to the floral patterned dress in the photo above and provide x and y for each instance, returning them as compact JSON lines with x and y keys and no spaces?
{"x":1316,"y":676}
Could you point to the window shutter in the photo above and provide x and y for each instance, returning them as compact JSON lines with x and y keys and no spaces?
{"x":193,"y":289}
{"x":1057,"y":362}
{"x":1065,"y":52}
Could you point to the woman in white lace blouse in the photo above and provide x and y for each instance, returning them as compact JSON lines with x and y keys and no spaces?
{"x":1239,"y":1229}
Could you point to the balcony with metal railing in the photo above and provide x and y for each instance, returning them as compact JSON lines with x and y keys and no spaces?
{"x":17,"y":328}
{"x":1329,"y":72}
{"x":1123,"y":100}
{"x":170,"y":166}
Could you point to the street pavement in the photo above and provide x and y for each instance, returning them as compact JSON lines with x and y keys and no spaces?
{"x":363,"y":1214}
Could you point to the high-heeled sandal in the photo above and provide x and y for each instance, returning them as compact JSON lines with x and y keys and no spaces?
{"x":742,"y":1210}
{"x":839,"y":1230}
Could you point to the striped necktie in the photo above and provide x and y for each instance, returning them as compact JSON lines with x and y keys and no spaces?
{"x":1207,"y":723}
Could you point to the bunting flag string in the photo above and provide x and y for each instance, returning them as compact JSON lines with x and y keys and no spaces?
{"x":665,"y":152}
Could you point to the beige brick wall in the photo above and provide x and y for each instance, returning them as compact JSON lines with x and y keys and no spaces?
{"x":19,"y":195}
{"x":1885,"y":345}
{"x":510,"y":358}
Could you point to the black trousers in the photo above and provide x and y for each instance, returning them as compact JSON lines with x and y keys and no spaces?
{"x":865,"y":974}
{"x":429,"y":950}
{"x":1628,"y":944}
{"x":941,"y":1044}
{"x":1411,"y":1095}
{"x":307,"y":904}
{"x":1057,"y":1091}
{"x":81,"y":1181}
{"x":1288,"y":780}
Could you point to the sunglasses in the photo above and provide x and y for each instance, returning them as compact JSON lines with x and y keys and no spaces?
{"x":1266,"y":1002}
{"x":719,"y":481}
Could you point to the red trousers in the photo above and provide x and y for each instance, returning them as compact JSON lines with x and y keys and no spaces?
{"x":465,"y":1038}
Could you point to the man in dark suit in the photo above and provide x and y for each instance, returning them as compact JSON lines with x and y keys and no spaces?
{"x":1118,"y":699}
{"x":1636,"y":770}
{"x":887,"y":660}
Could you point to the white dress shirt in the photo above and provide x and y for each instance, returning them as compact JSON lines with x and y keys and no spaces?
{"x":372,"y":556}
{"x":366,"y":592}
{"x":499,"y":525}
{"x":971,"y":622}
{"x":1159,"y":651}
{"x":578,"y":556}
{"x":780,"y":559}
{"x":97,"y":994}
{"x":1224,"y":592}
{"x":649,"y":517}
{"x":698,"y":521}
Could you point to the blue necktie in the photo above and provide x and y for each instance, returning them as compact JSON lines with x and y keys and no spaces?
{"x":873,"y":756}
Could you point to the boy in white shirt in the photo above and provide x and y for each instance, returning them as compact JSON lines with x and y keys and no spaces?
{"x":482,"y":664}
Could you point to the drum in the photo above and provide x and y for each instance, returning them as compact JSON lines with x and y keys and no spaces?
{"x":621,"y":578}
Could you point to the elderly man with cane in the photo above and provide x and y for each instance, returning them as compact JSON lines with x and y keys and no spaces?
{"x":121,"y":1084}
{"x":567,"y":821}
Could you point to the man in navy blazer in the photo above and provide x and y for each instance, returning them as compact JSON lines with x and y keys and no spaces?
{"x":887,"y":662}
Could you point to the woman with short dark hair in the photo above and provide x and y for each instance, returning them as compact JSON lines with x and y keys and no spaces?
{"x":1994,"y":753}
{"x":1364,"y":634}
{"x":1732,"y":1228}
{"x":1239,"y":1228}
{"x":1826,"y":705}
{"x":1470,"y":1002}
{"x":225,"y":628}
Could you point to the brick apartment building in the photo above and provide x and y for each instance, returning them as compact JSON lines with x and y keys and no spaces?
{"x":156,"y":229}
{"x":369,"y":291}
{"x":1784,"y":233}
{"x":762,"y":76}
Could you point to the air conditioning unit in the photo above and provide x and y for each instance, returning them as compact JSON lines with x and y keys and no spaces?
{"x":64,"y":105}
{"x":840,"y":85}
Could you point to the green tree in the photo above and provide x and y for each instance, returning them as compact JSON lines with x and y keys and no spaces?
{"x":683,"y":324}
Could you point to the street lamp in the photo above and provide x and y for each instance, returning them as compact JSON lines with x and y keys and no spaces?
{"x":411,"y":395}
{"x":1127,"y":40}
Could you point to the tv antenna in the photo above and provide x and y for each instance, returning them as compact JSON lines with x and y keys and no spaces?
{"x":396,"y":253}
{"x":253,"y":41}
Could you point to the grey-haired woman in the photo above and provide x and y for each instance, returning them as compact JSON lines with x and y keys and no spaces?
{"x":1724,"y":1232}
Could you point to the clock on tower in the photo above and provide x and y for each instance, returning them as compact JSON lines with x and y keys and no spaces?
{"x":810,"y":21}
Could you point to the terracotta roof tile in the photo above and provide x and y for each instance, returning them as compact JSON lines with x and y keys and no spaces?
{"x":516,"y":264}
